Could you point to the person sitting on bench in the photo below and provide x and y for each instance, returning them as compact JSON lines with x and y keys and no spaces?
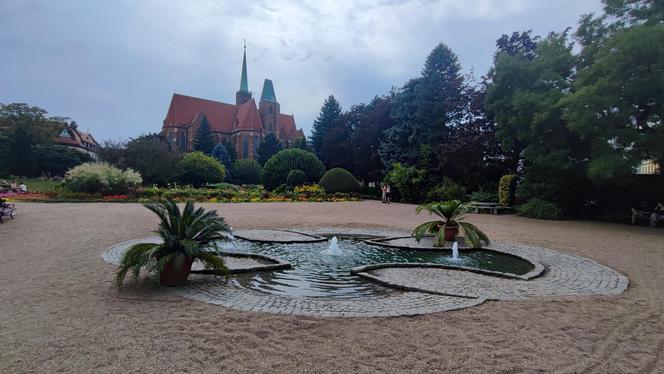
{"x":657,"y":214}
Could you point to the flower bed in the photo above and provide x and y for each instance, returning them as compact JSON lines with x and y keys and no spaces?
{"x":213,"y":194}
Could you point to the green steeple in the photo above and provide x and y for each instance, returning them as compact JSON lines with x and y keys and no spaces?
{"x":244,"y":87}
{"x":268,"y":92}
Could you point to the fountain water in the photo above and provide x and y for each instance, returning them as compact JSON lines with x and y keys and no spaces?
{"x":455,"y":251}
{"x":333,"y":249}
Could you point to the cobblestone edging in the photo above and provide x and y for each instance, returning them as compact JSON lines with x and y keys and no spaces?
{"x":566,"y":275}
{"x":277,"y":236}
{"x":236,"y":262}
{"x":426,"y":288}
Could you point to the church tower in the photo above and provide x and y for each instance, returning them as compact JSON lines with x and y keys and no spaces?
{"x":243,"y":95}
{"x":268,"y":108}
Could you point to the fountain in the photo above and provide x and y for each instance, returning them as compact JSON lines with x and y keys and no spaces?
{"x":333,"y":249}
{"x":455,"y":251}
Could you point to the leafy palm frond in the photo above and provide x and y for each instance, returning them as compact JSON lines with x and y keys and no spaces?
{"x":474,"y":236}
{"x":452,"y":213}
{"x":187,"y":233}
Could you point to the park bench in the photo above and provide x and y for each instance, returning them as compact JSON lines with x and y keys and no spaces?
{"x":494,"y":208}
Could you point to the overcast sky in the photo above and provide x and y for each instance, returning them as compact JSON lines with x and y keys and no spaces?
{"x":113,"y":65}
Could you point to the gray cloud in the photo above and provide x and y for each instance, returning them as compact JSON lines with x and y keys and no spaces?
{"x":112,"y":66}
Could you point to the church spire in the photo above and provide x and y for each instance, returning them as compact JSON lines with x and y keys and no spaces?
{"x":244,"y":86}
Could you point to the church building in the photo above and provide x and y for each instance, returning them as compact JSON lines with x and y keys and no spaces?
{"x":243,"y":124}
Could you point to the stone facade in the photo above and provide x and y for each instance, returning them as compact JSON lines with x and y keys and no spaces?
{"x":243,"y":124}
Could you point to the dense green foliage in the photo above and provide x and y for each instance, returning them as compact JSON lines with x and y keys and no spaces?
{"x":410,"y":182}
{"x":328,"y":116}
{"x":56,"y":160}
{"x":187,"y":234}
{"x":451,"y":214}
{"x":276,"y":169}
{"x":197,"y":169}
{"x":484,"y":196}
{"x":507,"y":189}
{"x":339,"y":180}
{"x":447,"y":190}
{"x":148,"y":154}
{"x":204,"y":140}
{"x":246,"y":172}
{"x":269,"y":147}
{"x":26,"y":143}
{"x":541,"y":209}
{"x":295,"y":178}
{"x":101,"y":178}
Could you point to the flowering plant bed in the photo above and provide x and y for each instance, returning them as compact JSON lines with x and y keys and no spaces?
{"x":222,"y":193}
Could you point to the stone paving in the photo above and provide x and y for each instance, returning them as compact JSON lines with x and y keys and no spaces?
{"x":565,"y":275}
{"x":432,"y":289}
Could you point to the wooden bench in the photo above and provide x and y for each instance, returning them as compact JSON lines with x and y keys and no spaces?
{"x":494,"y":208}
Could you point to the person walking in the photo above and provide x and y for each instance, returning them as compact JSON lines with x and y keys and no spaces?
{"x":383,"y":191}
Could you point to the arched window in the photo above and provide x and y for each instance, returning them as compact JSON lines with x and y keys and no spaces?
{"x":245,"y":147}
{"x":270,"y":109}
{"x":182,"y":142}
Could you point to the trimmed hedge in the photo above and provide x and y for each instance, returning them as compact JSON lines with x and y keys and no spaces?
{"x":296,"y":178}
{"x":541,"y":209}
{"x":246,"y":172}
{"x":197,"y":169}
{"x":507,"y":189}
{"x":339,"y":180}
{"x":276,"y":169}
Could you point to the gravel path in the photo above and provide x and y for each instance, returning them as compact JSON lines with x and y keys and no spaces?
{"x":60,"y":310}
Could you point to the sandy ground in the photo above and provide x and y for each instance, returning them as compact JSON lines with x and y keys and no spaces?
{"x":60,"y":311}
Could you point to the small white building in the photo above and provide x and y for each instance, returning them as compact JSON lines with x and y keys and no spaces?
{"x":70,"y":136}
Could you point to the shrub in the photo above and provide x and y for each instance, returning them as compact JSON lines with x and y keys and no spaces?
{"x":541,"y":209}
{"x":276,"y":169}
{"x":246,"y":172}
{"x":484,"y":196}
{"x":409,"y":180}
{"x":198,"y":169}
{"x":507,"y":189}
{"x":295,"y":178}
{"x":101,"y":178}
{"x":448,"y":190}
{"x":339,"y":180}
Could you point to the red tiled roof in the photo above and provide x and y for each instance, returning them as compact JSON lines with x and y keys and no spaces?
{"x":184,"y":109}
{"x":77,"y":138}
{"x":248,"y":117}
{"x":286,"y":125}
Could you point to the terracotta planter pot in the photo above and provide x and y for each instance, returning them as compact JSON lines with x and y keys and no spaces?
{"x":172,"y":276}
{"x":451,"y":232}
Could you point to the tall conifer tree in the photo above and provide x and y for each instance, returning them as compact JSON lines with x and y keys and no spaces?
{"x":328,"y":116}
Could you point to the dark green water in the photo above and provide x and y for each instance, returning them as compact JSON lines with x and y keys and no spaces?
{"x":315,"y":274}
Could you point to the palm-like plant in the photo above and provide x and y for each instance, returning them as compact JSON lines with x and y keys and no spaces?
{"x":187,"y":235}
{"x":452,"y":214}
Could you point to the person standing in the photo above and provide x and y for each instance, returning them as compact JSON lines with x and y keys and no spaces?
{"x":388,"y":193}
{"x":657,"y":214}
{"x":383,"y":193}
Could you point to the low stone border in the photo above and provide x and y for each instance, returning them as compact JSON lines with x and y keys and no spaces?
{"x":537,"y":270}
{"x":422,"y":288}
{"x":249,"y":262}
{"x":277,"y":236}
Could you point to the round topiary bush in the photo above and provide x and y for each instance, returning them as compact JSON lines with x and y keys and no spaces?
{"x":246,"y":172}
{"x":101,"y":178}
{"x":296,"y":178}
{"x":197,"y":169}
{"x":276,"y":169}
{"x":339,"y":180}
